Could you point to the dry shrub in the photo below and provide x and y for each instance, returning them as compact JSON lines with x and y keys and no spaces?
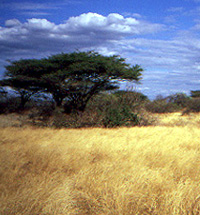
{"x":180,"y":99}
{"x":104,"y":110}
{"x":193,"y":106}
{"x":76,"y":120}
{"x":9,"y":104}
{"x":161,"y":106}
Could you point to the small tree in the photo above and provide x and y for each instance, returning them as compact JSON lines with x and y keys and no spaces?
{"x":180,"y":99}
{"x":74,"y":77}
{"x":195,"y":93}
{"x":23,"y":86}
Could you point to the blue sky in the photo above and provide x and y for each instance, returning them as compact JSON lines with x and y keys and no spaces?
{"x":162,"y":36}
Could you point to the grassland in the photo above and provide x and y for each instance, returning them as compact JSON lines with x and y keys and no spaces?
{"x":139,"y":170}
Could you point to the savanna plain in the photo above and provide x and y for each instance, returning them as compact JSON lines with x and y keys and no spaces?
{"x":120,"y":171}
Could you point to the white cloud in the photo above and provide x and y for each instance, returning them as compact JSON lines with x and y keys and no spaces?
{"x":88,"y":20}
{"x":112,"y":34}
{"x":137,"y":15}
{"x":84,"y":30}
{"x":113,"y":23}
{"x":178,"y":56}
{"x":12,"y":23}
{"x":107,"y":34}
{"x":39,"y":24}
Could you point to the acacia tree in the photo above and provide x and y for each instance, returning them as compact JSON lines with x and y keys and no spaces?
{"x":75,"y":77}
{"x":31,"y":76}
{"x":23,"y":87}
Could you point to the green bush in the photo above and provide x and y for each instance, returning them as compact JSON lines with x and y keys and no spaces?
{"x":9,"y":104}
{"x":121,"y":108}
{"x":120,"y":116}
{"x":3,"y":106}
{"x":195,"y":93}
{"x":40,"y":113}
{"x":103,"y":110}
{"x":180,"y":99}
{"x":193,"y":106}
{"x":133,"y":100}
{"x":161,"y":106}
{"x":131,"y":97}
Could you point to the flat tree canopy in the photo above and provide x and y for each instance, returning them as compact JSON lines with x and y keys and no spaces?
{"x":75,"y":77}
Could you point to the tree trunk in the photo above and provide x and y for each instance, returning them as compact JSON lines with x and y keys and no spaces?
{"x":58,"y":100}
{"x":24,"y":99}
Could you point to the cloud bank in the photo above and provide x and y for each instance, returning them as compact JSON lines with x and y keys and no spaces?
{"x":131,"y":37}
{"x":41,"y":35}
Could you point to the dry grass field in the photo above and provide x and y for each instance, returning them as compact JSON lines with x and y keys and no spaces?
{"x":139,"y":170}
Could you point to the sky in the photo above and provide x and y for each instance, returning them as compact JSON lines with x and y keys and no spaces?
{"x":161,"y":36}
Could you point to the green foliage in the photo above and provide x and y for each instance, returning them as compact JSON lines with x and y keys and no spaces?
{"x":193,"y":106}
{"x":132,"y":99}
{"x":161,"y":106}
{"x":121,"y":108}
{"x":172,"y":103}
{"x":9,"y":104}
{"x":119,"y":116}
{"x":131,"y":96}
{"x":103,"y":110}
{"x":23,"y":88}
{"x":195,"y":93}
{"x":180,"y":99}
{"x":74,"y":77}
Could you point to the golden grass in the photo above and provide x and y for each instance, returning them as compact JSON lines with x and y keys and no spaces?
{"x":146,"y":170}
{"x":177,"y":119}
